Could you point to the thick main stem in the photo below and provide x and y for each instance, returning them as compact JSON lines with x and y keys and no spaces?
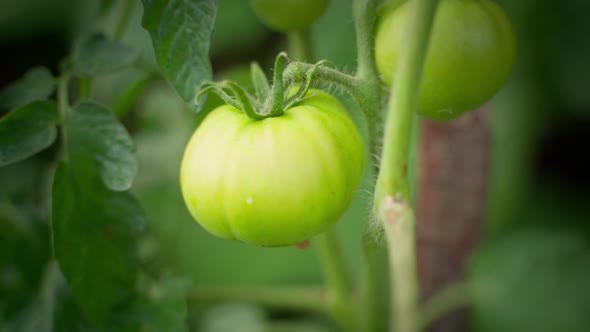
{"x":375,"y":278}
{"x":392,"y":196}
{"x":393,"y":179}
{"x":399,"y":224}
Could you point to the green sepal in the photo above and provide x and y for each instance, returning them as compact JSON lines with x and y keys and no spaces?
{"x":260,"y":81}
{"x":268,"y":101}
{"x":304,"y":87}
{"x":277,"y":86}
{"x":244,"y":99}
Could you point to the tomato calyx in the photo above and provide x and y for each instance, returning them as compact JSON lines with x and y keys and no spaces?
{"x":268,"y":101}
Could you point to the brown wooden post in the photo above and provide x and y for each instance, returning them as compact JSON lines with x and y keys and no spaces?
{"x":451,"y":199}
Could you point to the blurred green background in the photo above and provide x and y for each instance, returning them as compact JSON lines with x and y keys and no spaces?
{"x":532,"y":272}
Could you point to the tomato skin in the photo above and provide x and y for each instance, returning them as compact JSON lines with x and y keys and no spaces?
{"x":277,"y":181}
{"x":470,"y":55}
{"x":289,"y":15}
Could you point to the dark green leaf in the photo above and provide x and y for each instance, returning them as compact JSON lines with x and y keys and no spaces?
{"x":94,"y":131}
{"x":532,"y":280}
{"x":95,"y":232}
{"x":27,"y":130}
{"x":97,"y":55}
{"x":36,"y":84}
{"x":181,"y":33}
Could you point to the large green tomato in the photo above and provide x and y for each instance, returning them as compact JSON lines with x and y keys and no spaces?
{"x":289,"y":15}
{"x":277,"y":181}
{"x":470,"y":54}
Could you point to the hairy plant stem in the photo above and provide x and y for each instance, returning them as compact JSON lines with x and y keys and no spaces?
{"x":375,"y":276}
{"x":336,"y":272}
{"x":367,"y":77}
{"x":292,"y":298}
{"x":392,"y":195}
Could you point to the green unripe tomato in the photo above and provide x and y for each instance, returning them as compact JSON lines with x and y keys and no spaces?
{"x":289,"y":15}
{"x":469,"y":58}
{"x":277,"y":181}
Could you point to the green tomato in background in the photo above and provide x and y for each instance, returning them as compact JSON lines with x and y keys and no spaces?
{"x":277,"y":181}
{"x":289,"y":15}
{"x":470,"y":55}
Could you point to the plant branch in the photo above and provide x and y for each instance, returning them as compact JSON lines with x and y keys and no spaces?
{"x":444,"y":302}
{"x":399,"y":224}
{"x":300,"y":46}
{"x":84,"y":87}
{"x":392,"y":195}
{"x":375,"y":276}
{"x":365,"y":15}
{"x":369,"y":84}
{"x":374,"y":306}
{"x":292,"y":298}
{"x":63,"y":105}
{"x":338,"y":279}
{"x":393,"y":178}
{"x":296,"y":71}
{"x":122,"y":19}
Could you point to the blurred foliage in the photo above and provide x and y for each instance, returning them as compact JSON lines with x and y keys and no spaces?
{"x":533,"y":280}
{"x":530,"y":275}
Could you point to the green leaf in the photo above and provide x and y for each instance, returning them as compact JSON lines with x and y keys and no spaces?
{"x":94,"y":131}
{"x":27,"y":130}
{"x":98,"y":55}
{"x":532,"y":280}
{"x":95,"y":232}
{"x":36,"y":84}
{"x":181,"y":31}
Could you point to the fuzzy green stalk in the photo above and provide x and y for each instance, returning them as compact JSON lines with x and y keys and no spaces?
{"x":392,"y":196}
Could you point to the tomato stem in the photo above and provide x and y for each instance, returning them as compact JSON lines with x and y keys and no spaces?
{"x":373,"y":306}
{"x":337,"y":275}
{"x":122,"y":19}
{"x":84,"y":87}
{"x":63,"y":105}
{"x":365,"y":15}
{"x":293,"y":298}
{"x":392,"y":195}
{"x":300,"y":45}
{"x":369,"y":84}
{"x":375,"y":277}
